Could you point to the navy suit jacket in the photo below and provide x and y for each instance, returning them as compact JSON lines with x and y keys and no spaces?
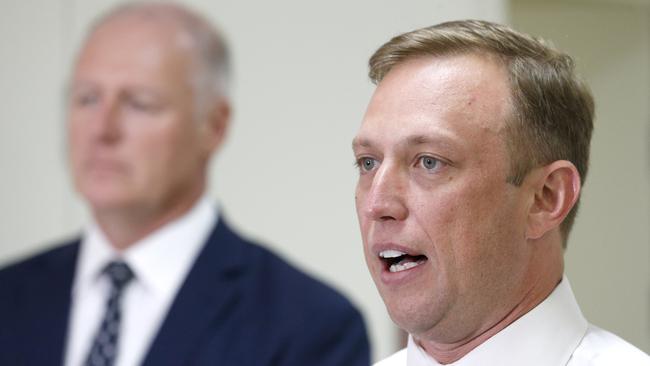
{"x":240,"y":305}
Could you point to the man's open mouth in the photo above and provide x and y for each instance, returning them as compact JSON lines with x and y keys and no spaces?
{"x":397,"y":261}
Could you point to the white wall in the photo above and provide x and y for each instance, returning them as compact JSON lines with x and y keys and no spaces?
{"x":286,"y":175}
{"x":609,"y":252}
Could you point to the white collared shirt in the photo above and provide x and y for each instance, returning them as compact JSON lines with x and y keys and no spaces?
{"x":553,"y":333}
{"x":160,"y":263}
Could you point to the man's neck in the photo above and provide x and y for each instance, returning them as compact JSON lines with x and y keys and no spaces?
{"x":124,"y":228}
{"x":540,"y":284}
{"x":446,"y":353}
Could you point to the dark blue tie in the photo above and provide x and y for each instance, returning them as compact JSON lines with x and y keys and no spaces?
{"x":104,"y":349}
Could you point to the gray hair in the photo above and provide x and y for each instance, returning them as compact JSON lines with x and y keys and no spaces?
{"x":211,"y":74}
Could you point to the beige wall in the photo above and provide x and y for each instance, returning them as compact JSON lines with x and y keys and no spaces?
{"x":286,"y":174}
{"x":609,"y":252}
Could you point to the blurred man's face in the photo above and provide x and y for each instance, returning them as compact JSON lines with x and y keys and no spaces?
{"x":134,"y":142}
{"x":443,"y":232}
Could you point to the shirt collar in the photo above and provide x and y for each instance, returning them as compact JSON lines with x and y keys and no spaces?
{"x":159,"y":261}
{"x":546,"y":335}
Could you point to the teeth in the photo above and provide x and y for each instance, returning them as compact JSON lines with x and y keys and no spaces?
{"x":403,"y":266}
{"x":391,"y":254}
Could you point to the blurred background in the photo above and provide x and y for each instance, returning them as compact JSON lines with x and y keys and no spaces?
{"x":286,"y":175}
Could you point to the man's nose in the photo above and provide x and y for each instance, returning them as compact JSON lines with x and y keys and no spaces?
{"x":107,"y":123}
{"x":387,"y":196}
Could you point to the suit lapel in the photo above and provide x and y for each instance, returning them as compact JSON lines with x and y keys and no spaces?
{"x":47,"y":307}
{"x":209,"y":293}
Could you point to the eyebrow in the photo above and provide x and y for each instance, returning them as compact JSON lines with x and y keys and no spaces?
{"x":360,"y":142}
{"x":413,"y":140}
{"x":426,"y":139}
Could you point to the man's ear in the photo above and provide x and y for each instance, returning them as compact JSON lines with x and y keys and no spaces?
{"x":556,"y":190}
{"x":216,"y":125}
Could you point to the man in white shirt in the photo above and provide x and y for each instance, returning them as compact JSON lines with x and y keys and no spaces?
{"x":158,"y":277}
{"x":471,"y":157}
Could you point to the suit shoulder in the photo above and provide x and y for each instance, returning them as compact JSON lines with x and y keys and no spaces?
{"x":312,"y":323}
{"x":285,"y":288}
{"x":600,"y":347}
{"x":26,"y":268}
{"x":286,"y":277}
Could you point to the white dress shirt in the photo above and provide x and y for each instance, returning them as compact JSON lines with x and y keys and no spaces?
{"x":553,"y":333}
{"x":160,"y":263}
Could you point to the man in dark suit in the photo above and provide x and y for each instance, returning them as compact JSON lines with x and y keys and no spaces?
{"x":158,"y":277}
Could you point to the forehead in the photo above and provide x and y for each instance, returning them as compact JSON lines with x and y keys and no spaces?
{"x":134,"y":48}
{"x":459,"y":97}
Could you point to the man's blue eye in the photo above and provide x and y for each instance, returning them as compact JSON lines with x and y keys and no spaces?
{"x":429,"y":162}
{"x":367,"y":164}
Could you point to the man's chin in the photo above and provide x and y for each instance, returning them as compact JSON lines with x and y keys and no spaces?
{"x":106,"y":201}
{"x":412,"y":316}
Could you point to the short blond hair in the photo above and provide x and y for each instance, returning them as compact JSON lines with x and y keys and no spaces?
{"x":553,"y":108}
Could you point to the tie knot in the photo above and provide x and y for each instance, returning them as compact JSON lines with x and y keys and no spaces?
{"x":119,"y":273}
